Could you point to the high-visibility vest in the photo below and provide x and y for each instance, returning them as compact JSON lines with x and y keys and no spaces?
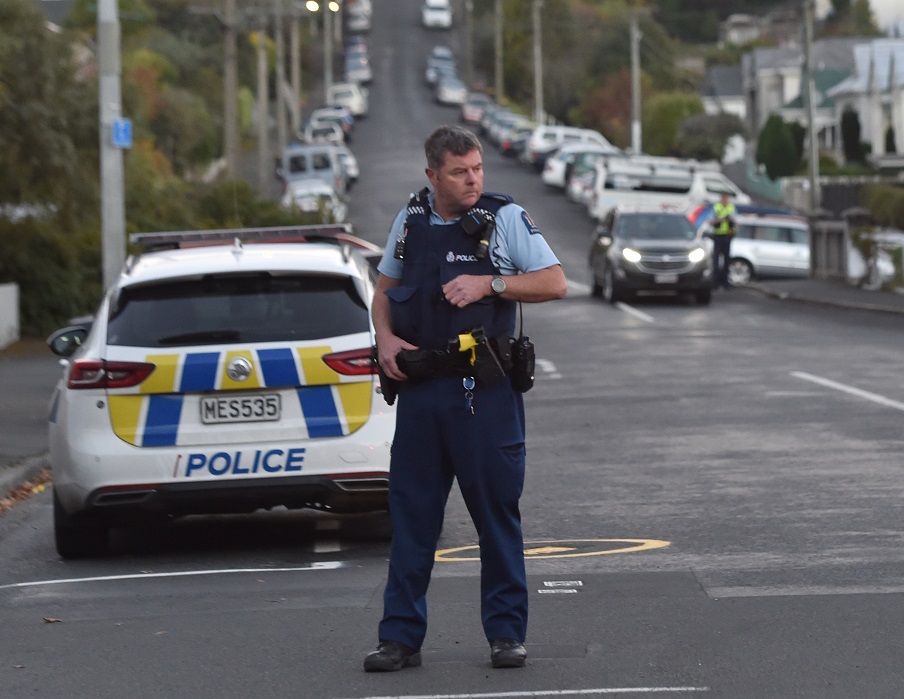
{"x":724,"y":212}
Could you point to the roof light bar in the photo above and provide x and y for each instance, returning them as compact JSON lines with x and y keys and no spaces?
{"x":340,"y":233}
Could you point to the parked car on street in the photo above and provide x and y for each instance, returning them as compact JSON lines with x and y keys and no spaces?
{"x":649,"y":251}
{"x":436,"y":14}
{"x":547,"y":139}
{"x":450,"y":90}
{"x":312,"y":161}
{"x":323,"y":132}
{"x":358,"y":69}
{"x":558,"y":165}
{"x":473,"y":106}
{"x":316,"y":197}
{"x":224,"y":372}
{"x":440,"y":59}
{"x":353,"y":96}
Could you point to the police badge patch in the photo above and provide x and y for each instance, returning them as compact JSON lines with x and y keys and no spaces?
{"x":529,"y":223}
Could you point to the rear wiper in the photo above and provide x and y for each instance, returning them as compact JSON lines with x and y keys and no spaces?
{"x":203,"y":336}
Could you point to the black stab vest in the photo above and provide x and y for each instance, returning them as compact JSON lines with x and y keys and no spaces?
{"x":434,"y":255}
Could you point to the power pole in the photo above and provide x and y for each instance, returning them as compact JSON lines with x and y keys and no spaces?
{"x":327,"y":48}
{"x":263,"y":111}
{"x":229,"y":24}
{"x":230,"y":92}
{"x":281,"y":117}
{"x":810,"y":92}
{"x":636,"y":145}
{"x":469,"y":43}
{"x":499,"y":86}
{"x":113,"y":211}
{"x":295,"y":70}
{"x":539,"y":111}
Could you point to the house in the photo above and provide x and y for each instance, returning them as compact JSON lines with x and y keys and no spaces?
{"x":723,"y":92}
{"x":875,"y":92}
{"x":772,"y":76}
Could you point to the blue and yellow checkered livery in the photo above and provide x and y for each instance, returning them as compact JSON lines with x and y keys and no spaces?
{"x":328,"y":403}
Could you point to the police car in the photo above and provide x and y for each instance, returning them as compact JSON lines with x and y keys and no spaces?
{"x":224,"y":372}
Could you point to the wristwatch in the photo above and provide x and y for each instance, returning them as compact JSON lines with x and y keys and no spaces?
{"x":497,"y":285}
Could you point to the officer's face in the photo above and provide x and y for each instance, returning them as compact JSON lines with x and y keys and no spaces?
{"x":457,"y":185}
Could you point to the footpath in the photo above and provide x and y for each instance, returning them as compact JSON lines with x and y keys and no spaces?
{"x":29,"y":371}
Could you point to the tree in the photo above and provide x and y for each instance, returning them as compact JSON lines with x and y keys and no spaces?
{"x":703,"y":136}
{"x":48,"y":130}
{"x":663,"y":115}
{"x":775,"y":148}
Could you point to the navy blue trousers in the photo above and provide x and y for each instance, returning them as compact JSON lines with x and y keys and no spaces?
{"x":721,"y":259}
{"x":437,"y":439}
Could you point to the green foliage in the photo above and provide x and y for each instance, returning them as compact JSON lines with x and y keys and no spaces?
{"x":662,"y":116}
{"x":46,"y":131}
{"x":886,"y":202}
{"x":703,"y":136}
{"x":798,"y":134}
{"x":697,"y":21}
{"x":57,"y":275}
{"x":775,"y":148}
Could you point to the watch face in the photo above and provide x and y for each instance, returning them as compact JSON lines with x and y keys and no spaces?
{"x":498,"y":285}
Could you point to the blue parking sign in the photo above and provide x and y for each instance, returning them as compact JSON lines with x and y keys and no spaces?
{"x":122,"y":133}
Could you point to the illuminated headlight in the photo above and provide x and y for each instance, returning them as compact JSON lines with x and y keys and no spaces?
{"x":696,"y":255}
{"x":631,"y":255}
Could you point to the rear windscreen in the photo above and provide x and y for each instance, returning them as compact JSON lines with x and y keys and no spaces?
{"x":236,"y":308}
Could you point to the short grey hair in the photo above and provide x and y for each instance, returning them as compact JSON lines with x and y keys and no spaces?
{"x":449,"y":139}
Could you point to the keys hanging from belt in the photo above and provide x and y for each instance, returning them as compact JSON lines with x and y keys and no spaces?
{"x":469,"y":383}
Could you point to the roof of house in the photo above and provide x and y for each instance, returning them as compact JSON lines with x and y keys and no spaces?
{"x":878,"y":59}
{"x":723,"y":81}
{"x":824,"y":80}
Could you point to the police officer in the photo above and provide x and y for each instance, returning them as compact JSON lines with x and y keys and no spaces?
{"x":723,"y":230}
{"x":435,"y":283}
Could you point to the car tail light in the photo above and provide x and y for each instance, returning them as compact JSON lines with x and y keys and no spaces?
{"x":352,"y":363}
{"x":98,"y":373}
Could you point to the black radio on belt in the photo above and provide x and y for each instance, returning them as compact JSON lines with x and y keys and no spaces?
{"x":480,"y":225}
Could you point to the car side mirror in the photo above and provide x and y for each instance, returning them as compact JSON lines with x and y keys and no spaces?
{"x":67,"y":341}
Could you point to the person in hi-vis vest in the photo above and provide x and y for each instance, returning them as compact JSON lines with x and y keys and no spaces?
{"x":722,"y":231}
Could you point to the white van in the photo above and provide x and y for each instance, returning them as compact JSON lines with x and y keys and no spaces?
{"x":312,"y":162}
{"x":654,"y":181}
{"x":546,"y":140}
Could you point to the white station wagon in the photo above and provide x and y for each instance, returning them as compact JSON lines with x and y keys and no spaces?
{"x":224,"y":372}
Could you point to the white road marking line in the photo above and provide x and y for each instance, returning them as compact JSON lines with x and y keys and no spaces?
{"x":548,"y":368}
{"x":630,"y":310}
{"x":549,"y":693}
{"x":578,"y":287}
{"x":324,"y":565}
{"x":866,"y":395}
{"x":582,"y":288}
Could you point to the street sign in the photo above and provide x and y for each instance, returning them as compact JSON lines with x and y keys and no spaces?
{"x":122,"y":133}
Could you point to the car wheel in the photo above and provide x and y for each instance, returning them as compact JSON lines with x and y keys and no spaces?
{"x":704,"y":296}
{"x":610,"y":292}
{"x":740,"y":272}
{"x":78,"y":537}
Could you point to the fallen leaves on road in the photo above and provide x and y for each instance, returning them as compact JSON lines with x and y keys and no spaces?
{"x":26,"y":490}
{"x":52,"y":620}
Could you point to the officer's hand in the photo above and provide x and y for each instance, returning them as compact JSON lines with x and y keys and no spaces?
{"x":388,"y":348}
{"x":466,"y":289}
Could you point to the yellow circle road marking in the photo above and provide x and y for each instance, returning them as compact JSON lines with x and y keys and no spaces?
{"x":573,"y":548}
